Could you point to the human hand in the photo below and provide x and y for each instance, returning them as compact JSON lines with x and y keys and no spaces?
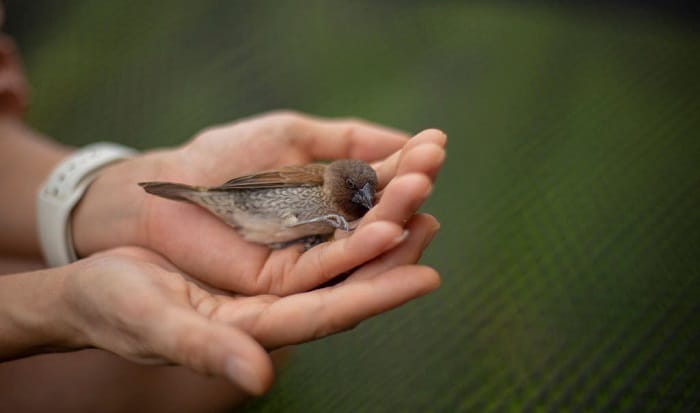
{"x":202,"y":245}
{"x":133,"y":302}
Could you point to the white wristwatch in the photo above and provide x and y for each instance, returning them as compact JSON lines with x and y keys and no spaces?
{"x":62,"y":190}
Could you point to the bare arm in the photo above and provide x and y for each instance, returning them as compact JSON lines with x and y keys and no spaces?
{"x":26,"y":159}
{"x":30,"y":315}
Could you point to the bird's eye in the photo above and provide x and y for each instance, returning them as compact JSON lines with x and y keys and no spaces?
{"x":350,"y":184}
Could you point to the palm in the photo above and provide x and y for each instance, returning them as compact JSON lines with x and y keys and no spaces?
{"x":200,"y":244}
{"x":135,"y":303}
{"x":196,"y":230}
{"x":138,"y":286}
{"x":166,"y":305}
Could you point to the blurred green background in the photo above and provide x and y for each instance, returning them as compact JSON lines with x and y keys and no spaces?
{"x":569,"y":200}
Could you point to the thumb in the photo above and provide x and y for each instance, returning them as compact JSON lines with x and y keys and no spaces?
{"x":210,"y":347}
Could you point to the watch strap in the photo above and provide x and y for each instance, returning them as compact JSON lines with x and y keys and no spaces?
{"x":63,"y":190}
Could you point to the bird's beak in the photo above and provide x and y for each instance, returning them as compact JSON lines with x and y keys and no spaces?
{"x":364,"y":196}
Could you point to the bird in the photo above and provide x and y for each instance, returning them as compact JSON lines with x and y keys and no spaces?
{"x":292,"y":204}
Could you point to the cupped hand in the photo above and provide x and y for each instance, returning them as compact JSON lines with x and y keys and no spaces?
{"x":115,"y":211}
{"x":134,"y":303}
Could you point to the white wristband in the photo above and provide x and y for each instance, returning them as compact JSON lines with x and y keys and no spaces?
{"x":62,"y":191}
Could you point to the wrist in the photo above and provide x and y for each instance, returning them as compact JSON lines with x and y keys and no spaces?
{"x":111,"y":211}
{"x":35,"y":318}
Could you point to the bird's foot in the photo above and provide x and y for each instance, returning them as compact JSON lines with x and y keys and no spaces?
{"x":334,"y":220}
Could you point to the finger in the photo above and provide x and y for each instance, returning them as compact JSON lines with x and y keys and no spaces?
{"x":325,"y":261}
{"x":307,"y":316}
{"x":426,"y":159}
{"x":388,"y":168}
{"x":356,"y":139}
{"x":212,"y":347}
{"x":400,"y":200}
{"x":421,"y":231}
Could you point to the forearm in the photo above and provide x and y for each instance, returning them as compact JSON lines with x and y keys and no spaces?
{"x":26,"y":159}
{"x":33,"y":316}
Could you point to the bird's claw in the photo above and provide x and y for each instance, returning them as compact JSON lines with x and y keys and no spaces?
{"x":337,"y":221}
{"x":334,"y":220}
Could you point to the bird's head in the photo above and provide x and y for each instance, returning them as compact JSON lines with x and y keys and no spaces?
{"x":352,"y":185}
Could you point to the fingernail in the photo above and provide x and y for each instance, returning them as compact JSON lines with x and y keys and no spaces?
{"x":430,"y":237}
{"x":429,"y":191}
{"x":401,"y":238}
{"x":240,"y":372}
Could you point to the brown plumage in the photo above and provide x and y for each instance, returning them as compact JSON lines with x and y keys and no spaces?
{"x":294,"y":203}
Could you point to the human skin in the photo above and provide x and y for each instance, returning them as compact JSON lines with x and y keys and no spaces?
{"x":116,"y":212}
{"x":134,"y":303}
{"x":98,"y":380}
{"x":126,"y":216}
{"x":201,"y":245}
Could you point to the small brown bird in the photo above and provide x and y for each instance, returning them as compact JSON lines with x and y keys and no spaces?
{"x":292,"y":204}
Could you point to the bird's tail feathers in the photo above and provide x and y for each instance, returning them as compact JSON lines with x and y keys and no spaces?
{"x":177,"y":192}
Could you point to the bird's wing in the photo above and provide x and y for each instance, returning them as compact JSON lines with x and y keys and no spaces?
{"x":306,"y":175}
